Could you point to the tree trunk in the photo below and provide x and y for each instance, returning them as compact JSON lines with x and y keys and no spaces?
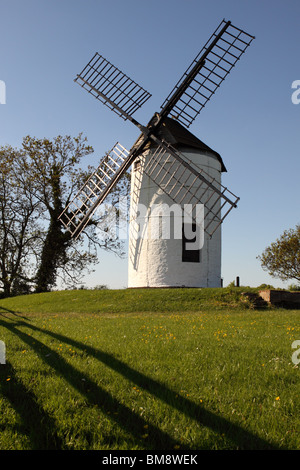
{"x":6,"y":288}
{"x":56,"y":241}
{"x":53,"y":251}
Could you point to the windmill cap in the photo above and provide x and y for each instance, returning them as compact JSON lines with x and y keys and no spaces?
{"x":177,"y":135}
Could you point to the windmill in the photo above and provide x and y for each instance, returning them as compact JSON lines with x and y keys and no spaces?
{"x":170,"y":167}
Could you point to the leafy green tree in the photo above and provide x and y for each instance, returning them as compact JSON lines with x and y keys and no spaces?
{"x":20,"y":231}
{"x":51,"y":167}
{"x":282,"y":258}
{"x":37,"y":182}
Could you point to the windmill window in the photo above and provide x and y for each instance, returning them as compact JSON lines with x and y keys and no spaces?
{"x":189,"y":255}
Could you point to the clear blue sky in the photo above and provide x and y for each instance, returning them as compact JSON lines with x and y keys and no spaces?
{"x":251,"y":120}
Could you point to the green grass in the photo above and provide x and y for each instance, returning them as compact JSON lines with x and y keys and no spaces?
{"x":128,"y":300}
{"x":147,"y":369}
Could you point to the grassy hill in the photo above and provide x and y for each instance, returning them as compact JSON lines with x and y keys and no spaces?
{"x":159,"y":369}
{"x":130,"y":300}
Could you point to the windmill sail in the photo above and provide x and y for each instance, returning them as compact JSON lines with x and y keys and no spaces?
{"x":206,"y":73}
{"x":188,"y":185}
{"x":112,"y":87}
{"x":79,"y":211}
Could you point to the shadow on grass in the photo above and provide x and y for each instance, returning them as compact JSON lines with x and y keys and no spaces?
{"x":95,"y":395}
{"x":36,"y":424}
{"x":126,"y":418}
{"x":4,"y":310}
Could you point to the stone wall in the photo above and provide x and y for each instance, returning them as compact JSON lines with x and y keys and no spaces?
{"x":281,"y":297}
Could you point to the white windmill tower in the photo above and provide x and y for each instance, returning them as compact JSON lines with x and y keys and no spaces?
{"x":177,"y":200}
{"x":166,"y":247}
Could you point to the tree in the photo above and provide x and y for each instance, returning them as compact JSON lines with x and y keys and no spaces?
{"x":282,"y":258}
{"x":47,"y":163}
{"x":37,"y":183}
{"x":20,"y":231}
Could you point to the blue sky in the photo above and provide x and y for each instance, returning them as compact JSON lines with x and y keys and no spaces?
{"x":251,"y":121}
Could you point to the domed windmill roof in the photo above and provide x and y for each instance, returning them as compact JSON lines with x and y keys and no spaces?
{"x":177,"y":135}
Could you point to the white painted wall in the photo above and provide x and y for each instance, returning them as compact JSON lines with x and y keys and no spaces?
{"x":158,"y":262}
